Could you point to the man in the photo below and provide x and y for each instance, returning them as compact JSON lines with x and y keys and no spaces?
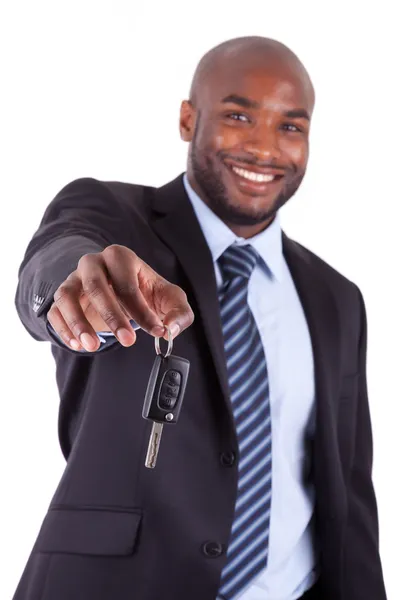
{"x":262,"y":490}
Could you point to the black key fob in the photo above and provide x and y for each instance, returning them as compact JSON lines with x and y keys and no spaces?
{"x":166,"y":389}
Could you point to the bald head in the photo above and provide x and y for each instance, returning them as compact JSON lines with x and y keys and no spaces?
{"x":247,"y":121}
{"x":245,"y":53}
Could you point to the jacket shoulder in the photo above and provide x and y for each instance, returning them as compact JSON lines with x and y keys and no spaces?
{"x":127,"y":193}
{"x":129,"y":200}
{"x":334,"y":278}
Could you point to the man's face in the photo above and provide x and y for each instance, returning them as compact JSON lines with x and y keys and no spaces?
{"x":249,"y":137}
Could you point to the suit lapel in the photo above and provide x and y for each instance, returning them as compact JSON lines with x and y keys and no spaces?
{"x":321,"y":311}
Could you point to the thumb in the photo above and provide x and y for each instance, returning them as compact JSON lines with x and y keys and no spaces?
{"x":177,"y":320}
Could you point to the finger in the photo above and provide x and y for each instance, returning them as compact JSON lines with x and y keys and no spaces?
{"x":92,"y":273}
{"x":59,"y":325}
{"x":125,"y":272}
{"x":67,"y":302}
{"x":178,"y":312}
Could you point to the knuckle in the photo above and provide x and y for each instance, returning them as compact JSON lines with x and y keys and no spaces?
{"x":74,"y":323}
{"x":126,"y":289}
{"x":175,"y":289}
{"x":183,"y":296}
{"x":87,"y":258}
{"x":92,"y":286}
{"x":158,"y":284}
{"x":113,"y":250}
{"x":110,"y":318}
{"x":178,"y":293}
{"x":187,"y":317}
{"x":62,"y":292}
{"x":116,"y":252}
{"x":64,"y":333}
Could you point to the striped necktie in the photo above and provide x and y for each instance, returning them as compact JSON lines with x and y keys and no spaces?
{"x":248,"y":384}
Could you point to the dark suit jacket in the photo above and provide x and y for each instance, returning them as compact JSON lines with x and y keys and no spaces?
{"x":118,"y":531}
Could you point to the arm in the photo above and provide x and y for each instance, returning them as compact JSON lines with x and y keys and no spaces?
{"x":363,"y":579}
{"x":80,"y":275}
{"x":83,"y":218}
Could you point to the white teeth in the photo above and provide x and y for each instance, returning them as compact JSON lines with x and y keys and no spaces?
{"x":253,"y":176}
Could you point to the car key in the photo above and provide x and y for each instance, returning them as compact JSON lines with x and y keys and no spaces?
{"x":164,"y":395}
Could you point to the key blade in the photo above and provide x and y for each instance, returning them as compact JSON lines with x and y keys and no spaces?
{"x":154,"y":445}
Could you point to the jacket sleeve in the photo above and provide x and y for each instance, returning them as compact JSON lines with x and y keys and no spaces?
{"x":363,"y":578}
{"x":83,"y":218}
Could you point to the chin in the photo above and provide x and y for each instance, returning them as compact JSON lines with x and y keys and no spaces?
{"x":237,"y":214}
{"x":253,"y":204}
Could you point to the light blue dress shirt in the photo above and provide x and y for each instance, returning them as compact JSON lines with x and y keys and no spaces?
{"x":273,"y":299}
{"x":293,"y":558}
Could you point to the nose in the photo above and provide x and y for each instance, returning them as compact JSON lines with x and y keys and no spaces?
{"x":263,"y":142}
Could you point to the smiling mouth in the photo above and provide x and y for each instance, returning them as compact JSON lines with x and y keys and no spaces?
{"x":254,"y":179}
{"x":252,"y":176}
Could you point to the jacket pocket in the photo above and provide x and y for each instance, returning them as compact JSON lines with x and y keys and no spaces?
{"x":89,"y":531}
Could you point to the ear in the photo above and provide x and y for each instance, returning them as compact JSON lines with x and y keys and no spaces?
{"x":187,"y":121}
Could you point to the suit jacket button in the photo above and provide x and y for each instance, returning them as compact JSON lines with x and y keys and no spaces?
{"x":228,"y":458}
{"x":212,"y":549}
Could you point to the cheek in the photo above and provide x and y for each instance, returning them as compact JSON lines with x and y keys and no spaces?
{"x":220,"y":142}
{"x":215,"y":137}
{"x":297,"y":152}
{"x":222,"y":138}
{"x":210,"y":139}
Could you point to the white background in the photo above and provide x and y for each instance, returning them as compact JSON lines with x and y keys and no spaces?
{"x":93,"y":89}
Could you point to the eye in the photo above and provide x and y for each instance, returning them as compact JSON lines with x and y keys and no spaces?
{"x":236,"y":116}
{"x":291,"y":127}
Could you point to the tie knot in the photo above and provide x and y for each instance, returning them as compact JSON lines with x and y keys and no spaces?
{"x":238,"y":261}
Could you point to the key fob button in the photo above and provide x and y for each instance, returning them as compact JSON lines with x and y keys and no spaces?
{"x":170,"y":389}
{"x":173,"y":378}
{"x":167,"y":403}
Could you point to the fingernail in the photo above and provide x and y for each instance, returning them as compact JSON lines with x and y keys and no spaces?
{"x":175,"y":329}
{"x":125,"y":336}
{"x":87,"y":341}
{"x":75,"y":345}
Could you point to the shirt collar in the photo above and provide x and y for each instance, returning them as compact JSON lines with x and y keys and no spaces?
{"x":219,"y":236}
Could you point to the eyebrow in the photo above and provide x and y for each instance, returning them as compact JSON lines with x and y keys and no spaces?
{"x":240,"y":100}
{"x":296,"y":113}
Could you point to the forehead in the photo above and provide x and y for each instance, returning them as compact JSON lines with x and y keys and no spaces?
{"x":271,"y":86}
